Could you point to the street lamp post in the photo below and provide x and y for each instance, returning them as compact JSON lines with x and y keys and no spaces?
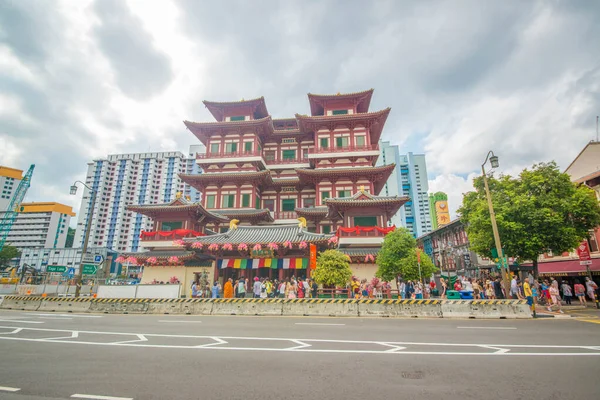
{"x":494,"y":163}
{"x":87,"y":233}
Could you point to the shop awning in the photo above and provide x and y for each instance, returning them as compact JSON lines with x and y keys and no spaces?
{"x":567,"y":267}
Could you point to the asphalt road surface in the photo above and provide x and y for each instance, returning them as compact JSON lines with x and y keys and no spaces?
{"x":66,"y":356}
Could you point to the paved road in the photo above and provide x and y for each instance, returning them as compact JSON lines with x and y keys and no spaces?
{"x":57,"y":356}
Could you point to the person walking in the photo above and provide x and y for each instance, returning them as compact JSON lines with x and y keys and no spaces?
{"x":241,"y":288}
{"x":290,"y":290}
{"x":256,"y":288}
{"x":402,"y":290}
{"x":554,"y":297}
{"x":514,"y":288}
{"x":315,"y":289}
{"x":476,"y":290}
{"x":300,"y":289}
{"x":263,"y":289}
{"x":410,"y":289}
{"x":498,"y":289}
{"x":228,"y":289}
{"x":591,"y":288}
{"x":567,"y":292}
{"x":282,"y":289}
{"x":216,"y":288}
{"x":194,"y":290}
{"x":489,"y":290}
{"x":418,"y":291}
{"x":528,"y":295}
{"x":444,"y":288}
{"x":580,"y":293}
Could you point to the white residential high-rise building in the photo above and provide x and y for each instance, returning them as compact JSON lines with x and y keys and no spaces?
{"x":408,"y":179}
{"x":40,"y":225}
{"x":9,"y":182}
{"x":123,"y":179}
{"x":192,"y":167}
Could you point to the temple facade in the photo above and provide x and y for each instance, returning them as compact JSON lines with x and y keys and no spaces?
{"x":274,"y":188}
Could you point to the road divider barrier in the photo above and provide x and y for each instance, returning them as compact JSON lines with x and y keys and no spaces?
{"x":428,"y":308}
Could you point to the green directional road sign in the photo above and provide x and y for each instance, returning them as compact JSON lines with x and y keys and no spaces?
{"x":56,"y":268}
{"x":90,"y":269}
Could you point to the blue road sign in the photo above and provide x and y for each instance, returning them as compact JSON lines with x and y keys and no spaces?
{"x":71,"y":272}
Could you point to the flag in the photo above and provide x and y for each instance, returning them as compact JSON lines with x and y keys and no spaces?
{"x":286,"y":263}
{"x":299,"y":263}
{"x":237,"y":263}
{"x":230,"y":263}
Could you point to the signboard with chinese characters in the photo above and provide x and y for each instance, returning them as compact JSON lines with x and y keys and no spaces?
{"x":442,"y":212}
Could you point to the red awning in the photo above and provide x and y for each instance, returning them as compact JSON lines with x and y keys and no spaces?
{"x":567,"y":267}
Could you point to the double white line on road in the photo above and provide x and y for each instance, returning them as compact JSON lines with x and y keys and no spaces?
{"x":317,"y":323}
{"x":97,"y":397}
{"x":9,"y":389}
{"x":485,"y":327}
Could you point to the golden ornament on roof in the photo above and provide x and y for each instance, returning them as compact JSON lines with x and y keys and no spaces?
{"x":233,"y":224}
{"x":178,"y":195}
{"x":302,"y":223}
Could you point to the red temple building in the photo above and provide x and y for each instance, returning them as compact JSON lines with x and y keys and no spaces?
{"x":272,"y":187}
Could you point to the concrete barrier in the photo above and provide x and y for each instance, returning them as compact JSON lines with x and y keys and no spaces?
{"x":66,"y":304}
{"x":321,"y":307}
{"x":457,"y":309}
{"x":179,"y":306}
{"x":25,"y":303}
{"x":117,"y":291}
{"x":509,"y":309}
{"x":246,"y":306}
{"x":429,"y":308}
{"x":119,"y":306}
{"x":158,"y":291}
{"x":8,"y":288}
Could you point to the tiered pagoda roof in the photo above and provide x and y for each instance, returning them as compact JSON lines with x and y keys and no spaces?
{"x":204,"y":130}
{"x":200,"y":181}
{"x":377,"y":175}
{"x":372,"y":120}
{"x":263,"y":235}
{"x":360,"y":99}
{"x":177,"y":206}
{"x":217,"y":109}
{"x":312,"y":213}
{"x":389,"y":204}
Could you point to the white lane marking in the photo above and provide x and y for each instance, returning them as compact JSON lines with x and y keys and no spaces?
{"x":9,"y":389}
{"x":17,"y":330}
{"x":178,"y":322}
{"x":55,"y":318}
{"x":64,"y":315}
{"x":23,"y":322}
{"x":317,"y":323}
{"x":501,"y":349}
{"x":74,"y":335}
{"x":97,"y":397}
{"x":485,"y":327}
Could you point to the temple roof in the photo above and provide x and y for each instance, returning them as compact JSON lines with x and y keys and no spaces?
{"x":359,"y":251}
{"x":162,"y":254}
{"x":389,"y":204}
{"x":200,"y":181}
{"x":377,"y":175}
{"x":372,"y":120}
{"x":204,"y":130}
{"x":217,"y":108}
{"x":361,"y":99}
{"x":175,"y":206}
{"x":251,"y":235}
{"x":311,"y":211}
{"x":247,"y":214}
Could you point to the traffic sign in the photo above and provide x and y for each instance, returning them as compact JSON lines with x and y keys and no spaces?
{"x":71,"y":272}
{"x":56,"y":268}
{"x":93,"y":258}
{"x":90,"y":269}
{"x":585,"y":262}
{"x":583,"y":251}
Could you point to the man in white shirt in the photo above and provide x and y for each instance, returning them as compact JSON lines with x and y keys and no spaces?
{"x":514,"y":288}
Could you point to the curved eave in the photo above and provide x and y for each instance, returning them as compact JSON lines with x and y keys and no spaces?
{"x":203,"y":130}
{"x":199,"y":181}
{"x":364,"y":100}
{"x":377,"y":175}
{"x":259,"y":215}
{"x":216,"y":108}
{"x":312,"y":211}
{"x":263,"y":235}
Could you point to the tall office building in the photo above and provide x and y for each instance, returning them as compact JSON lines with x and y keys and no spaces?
{"x":40,"y":225}
{"x":9,"y":182}
{"x":409,"y":178}
{"x":123,"y":179}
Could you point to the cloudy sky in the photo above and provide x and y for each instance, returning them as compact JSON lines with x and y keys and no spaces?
{"x":80,"y":79}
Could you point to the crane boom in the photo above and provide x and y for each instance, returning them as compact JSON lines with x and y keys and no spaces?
{"x":9,"y":217}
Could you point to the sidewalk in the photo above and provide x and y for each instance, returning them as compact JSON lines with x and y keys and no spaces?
{"x":571,"y":311}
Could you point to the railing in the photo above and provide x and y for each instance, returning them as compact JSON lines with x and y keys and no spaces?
{"x":364,"y":231}
{"x":169,"y":235}
{"x":285,"y":215}
{"x":288,"y":161}
{"x":209,"y":155}
{"x":336,"y":149}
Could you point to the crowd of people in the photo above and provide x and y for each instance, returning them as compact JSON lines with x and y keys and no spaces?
{"x":260,"y":288}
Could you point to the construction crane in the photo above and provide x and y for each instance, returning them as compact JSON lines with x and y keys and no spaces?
{"x":9,"y":217}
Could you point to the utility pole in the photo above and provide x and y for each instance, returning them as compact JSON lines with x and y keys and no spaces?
{"x":87,"y":234}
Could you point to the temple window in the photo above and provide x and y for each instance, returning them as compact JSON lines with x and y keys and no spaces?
{"x":171,"y":225}
{"x":214,"y":147}
{"x":228,"y":201}
{"x":288,"y":204}
{"x":230,"y":147}
{"x":340,"y":112}
{"x":365,"y":221}
{"x":324,"y":143}
{"x":324,"y":195}
{"x":344,"y":193}
{"x":247,"y":146}
{"x":360,"y":141}
{"x":269,"y":155}
{"x":326,"y":229}
{"x":237,"y":118}
{"x":210,"y":201}
{"x":269,"y":204}
{"x":341,"y":142}
{"x":257,"y":203}
{"x":310,"y":202}
{"x":289,"y":154}
{"x":246,"y":200}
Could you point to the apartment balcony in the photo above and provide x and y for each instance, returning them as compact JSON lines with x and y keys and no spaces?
{"x":368,"y":150}
{"x":229,"y":157}
{"x":287,"y":163}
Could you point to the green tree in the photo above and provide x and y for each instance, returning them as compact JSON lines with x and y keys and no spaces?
{"x":333,"y":269}
{"x":539,"y":211}
{"x":8,"y":253}
{"x":398,"y":257}
{"x":70,"y":238}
